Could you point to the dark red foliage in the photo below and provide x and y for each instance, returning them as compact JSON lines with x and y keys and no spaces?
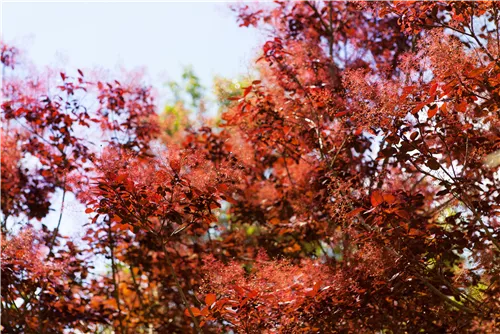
{"x":352,"y":188}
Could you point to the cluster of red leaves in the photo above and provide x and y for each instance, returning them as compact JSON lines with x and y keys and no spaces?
{"x":390,"y":135}
{"x":129,"y":114}
{"x":166,"y":193}
{"x":278,"y":296}
{"x":345,"y":190}
{"x":42,"y":281}
{"x":20,"y":253}
{"x":263,"y":297}
{"x":8,"y":55}
{"x":45,"y":149}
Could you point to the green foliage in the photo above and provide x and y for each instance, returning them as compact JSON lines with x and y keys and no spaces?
{"x":188,"y":89}
{"x":186,"y":100}
{"x":225,"y":89}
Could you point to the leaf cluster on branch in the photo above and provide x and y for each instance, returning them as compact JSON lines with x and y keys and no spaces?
{"x":351,"y":188}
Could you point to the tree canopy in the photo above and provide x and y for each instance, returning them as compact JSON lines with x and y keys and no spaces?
{"x":350,"y":187}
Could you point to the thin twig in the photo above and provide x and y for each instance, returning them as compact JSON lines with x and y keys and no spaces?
{"x":178,"y":284}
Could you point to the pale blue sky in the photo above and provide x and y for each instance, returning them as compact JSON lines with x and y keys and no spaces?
{"x":159,"y":36}
{"x":162,"y":37}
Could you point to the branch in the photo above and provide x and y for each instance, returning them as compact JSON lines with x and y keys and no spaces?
{"x":116,"y":291}
{"x":178,"y":284}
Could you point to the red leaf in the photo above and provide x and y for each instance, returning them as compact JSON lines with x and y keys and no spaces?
{"x":414,"y":231}
{"x":444,"y":108}
{"x":205,"y":312}
{"x":117,"y":219}
{"x":196,"y":311}
{"x":432,"y":111}
{"x":433,"y":89}
{"x":175,"y":164}
{"x":462,"y":107}
{"x":210,"y":299}
{"x":121,"y":177}
{"x":275,"y":221}
{"x":433,"y":164}
{"x":389,"y":198}
{"x":403,"y":214}
{"x":376,"y":198}
{"x":355,"y":212}
{"x":408,"y":89}
{"x":252,"y":294}
{"x":418,"y":107}
{"x":247,"y":91}
{"x":239,"y":290}
{"x":89,"y":210}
